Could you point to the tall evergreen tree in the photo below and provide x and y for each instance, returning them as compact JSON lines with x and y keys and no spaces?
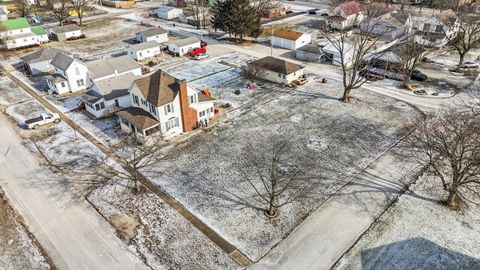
{"x":236,"y":17}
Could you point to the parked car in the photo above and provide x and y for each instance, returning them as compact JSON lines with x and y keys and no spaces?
{"x":196,"y":51}
{"x":66,"y":22}
{"x":420,"y":92}
{"x":312,"y":12}
{"x":417,"y":75}
{"x":203,"y":44}
{"x":200,"y":56}
{"x":469,"y":64}
{"x":43,"y":119}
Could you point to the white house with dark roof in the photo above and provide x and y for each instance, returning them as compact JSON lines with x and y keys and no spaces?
{"x":164,"y":105}
{"x":102,"y":69}
{"x":309,"y":52}
{"x":109,"y":95}
{"x":289,"y":39}
{"x":389,"y":25}
{"x":66,"y":32}
{"x":276,"y":70}
{"x":181,"y":47}
{"x":144,"y":50}
{"x":168,"y":12}
{"x":39,"y":62}
{"x":157,"y":34}
{"x":70,"y":75}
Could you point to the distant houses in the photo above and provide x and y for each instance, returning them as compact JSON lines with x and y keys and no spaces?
{"x":276,"y":70}
{"x":40,"y":61}
{"x":168,"y":12}
{"x":17,"y":33}
{"x":345,"y":15}
{"x":289,"y":39}
{"x":437,"y":30}
{"x":157,"y":34}
{"x":144,"y":50}
{"x":389,"y":25}
{"x":181,"y":47}
{"x":66,"y":32}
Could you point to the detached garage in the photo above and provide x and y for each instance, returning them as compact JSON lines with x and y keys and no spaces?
{"x":289,"y":39}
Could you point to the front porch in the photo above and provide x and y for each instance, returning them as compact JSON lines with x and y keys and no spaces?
{"x":136,"y":120}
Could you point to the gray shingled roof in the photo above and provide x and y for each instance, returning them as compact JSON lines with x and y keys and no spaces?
{"x":310,"y":48}
{"x":104,"y":67}
{"x":145,"y":45}
{"x":115,"y":87}
{"x":185,"y":41}
{"x":153,"y":32}
{"x":42,"y":55}
{"x":277,"y":65}
{"x":65,"y":28}
{"x":62,"y":61}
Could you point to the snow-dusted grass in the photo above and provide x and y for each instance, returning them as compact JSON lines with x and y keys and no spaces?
{"x":17,"y":249}
{"x":419,"y":233}
{"x":106,"y":130}
{"x":26,"y":110}
{"x":164,"y":238}
{"x":37,"y":83}
{"x":342,"y":138}
{"x":10,"y":92}
{"x":65,"y":104}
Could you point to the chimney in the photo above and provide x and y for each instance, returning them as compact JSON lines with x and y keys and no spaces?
{"x":189,"y":115}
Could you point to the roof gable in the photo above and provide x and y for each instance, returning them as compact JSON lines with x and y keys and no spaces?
{"x":153,"y":32}
{"x":62,"y":61}
{"x":42,"y":55}
{"x":159,"y":88}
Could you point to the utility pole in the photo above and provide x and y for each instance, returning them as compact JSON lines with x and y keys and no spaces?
{"x":271,"y":42}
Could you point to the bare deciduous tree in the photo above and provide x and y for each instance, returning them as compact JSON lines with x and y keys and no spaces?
{"x":276,"y":174}
{"x":60,"y":11}
{"x":410,"y":55}
{"x":360,"y":46}
{"x":80,"y":6}
{"x":23,"y":7}
{"x":449,"y":146}
{"x":134,"y":158}
{"x":467,"y":38}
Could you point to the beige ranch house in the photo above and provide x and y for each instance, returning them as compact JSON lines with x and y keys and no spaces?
{"x":276,"y":70}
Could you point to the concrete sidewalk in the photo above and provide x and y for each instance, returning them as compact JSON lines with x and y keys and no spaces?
{"x":331,"y":230}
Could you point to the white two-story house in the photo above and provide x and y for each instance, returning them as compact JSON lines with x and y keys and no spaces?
{"x":437,"y":30}
{"x":163,"y":105}
{"x":345,"y":15}
{"x":69,"y":75}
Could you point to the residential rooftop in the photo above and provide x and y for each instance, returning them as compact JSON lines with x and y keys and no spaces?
{"x":277,"y":65}
{"x":42,"y":55}
{"x":144,"y":45}
{"x":105,"y":67}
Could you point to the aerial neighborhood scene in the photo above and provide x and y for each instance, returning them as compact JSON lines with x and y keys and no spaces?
{"x":240,"y":134}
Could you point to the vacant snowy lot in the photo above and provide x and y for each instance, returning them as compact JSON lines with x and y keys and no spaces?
{"x":163,"y":238}
{"x":26,"y":110}
{"x":10,"y":92}
{"x":419,"y":233}
{"x":341,"y":139}
{"x":17,"y":249}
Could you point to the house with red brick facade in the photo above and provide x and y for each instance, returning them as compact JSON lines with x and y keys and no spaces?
{"x":164,"y":105}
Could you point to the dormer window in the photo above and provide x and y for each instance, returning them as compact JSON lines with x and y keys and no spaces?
{"x":168,"y":108}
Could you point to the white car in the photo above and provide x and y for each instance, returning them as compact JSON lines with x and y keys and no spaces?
{"x":200,"y":56}
{"x":43,"y":119}
{"x":469,"y":64}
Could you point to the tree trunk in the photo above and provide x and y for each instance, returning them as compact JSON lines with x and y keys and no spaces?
{"x":460,"y":61}
{"x":271,"y":210}
{"x":453,"y":200}
{"x":346,"y":94}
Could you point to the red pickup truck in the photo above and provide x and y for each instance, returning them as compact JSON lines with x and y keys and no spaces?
{"x":196,"y":51}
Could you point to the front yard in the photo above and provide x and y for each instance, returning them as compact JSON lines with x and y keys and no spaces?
{"x":342,"y":139}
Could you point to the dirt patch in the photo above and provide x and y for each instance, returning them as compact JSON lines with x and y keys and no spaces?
{"x":126,"y":225}
{"x":18,"y":249}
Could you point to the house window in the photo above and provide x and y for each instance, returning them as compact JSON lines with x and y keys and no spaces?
{"x":97,"y":107}
{"x":102,"y":105}
{"x":279,"y":75}
{"x":135,"y":99}
{"x":62,"y":84}
{"x":117,"y":104}
{"x":193,"y":99}
{"x":80,"y":82}
{"x":140,"y":54}
{"x":168,"y":108}
{"x":426,"y":27}
{"x":172,"y":123}
{"x":144,"y":102}
{"x":153,"y":109}
{"x":77,"y":71}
